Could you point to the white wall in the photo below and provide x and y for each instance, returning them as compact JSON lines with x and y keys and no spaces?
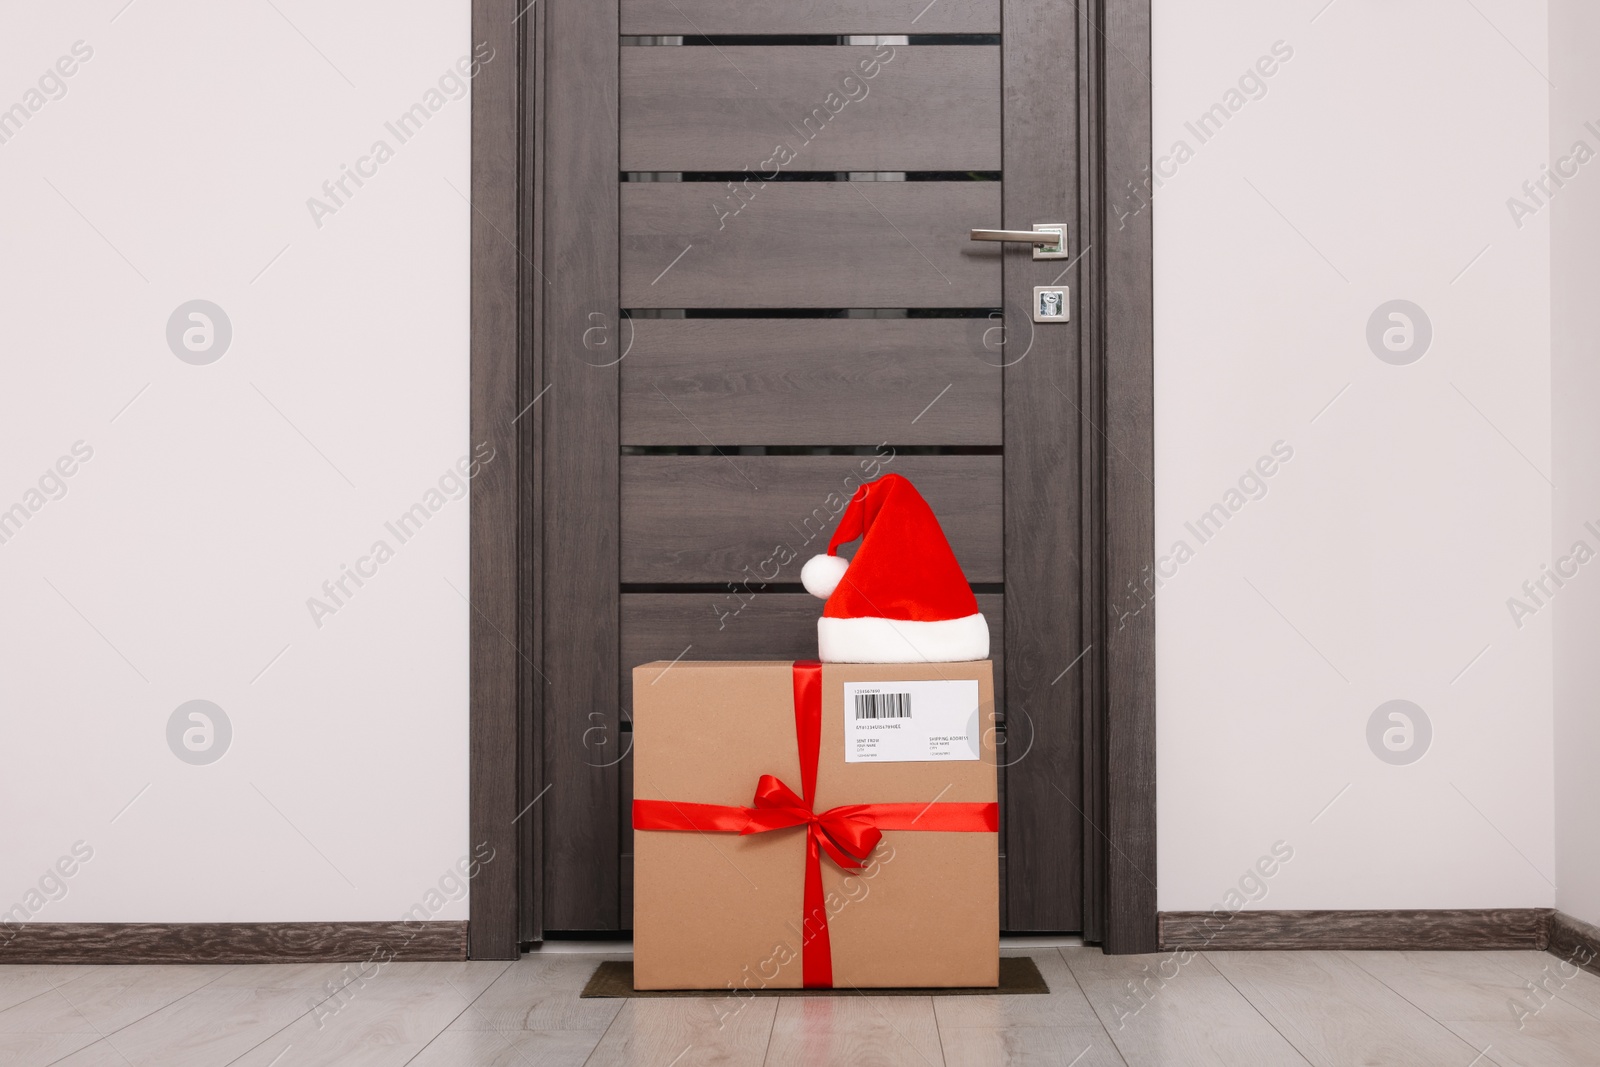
{"x":1575,"y":372}
{"x":1376,"y":167}
{"x":220,"y":497}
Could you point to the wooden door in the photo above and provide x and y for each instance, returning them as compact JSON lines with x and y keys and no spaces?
{"x":756,"y":290}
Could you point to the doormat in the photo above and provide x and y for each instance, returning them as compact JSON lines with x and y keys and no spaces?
{"x":1018,"y":974}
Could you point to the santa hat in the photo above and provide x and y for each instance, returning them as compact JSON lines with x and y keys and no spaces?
{"x":903,"y":598}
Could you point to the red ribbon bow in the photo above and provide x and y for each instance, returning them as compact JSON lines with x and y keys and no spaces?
{"x":847,"y":833}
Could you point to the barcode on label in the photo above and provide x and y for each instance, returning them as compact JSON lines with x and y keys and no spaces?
{"x":883,"y":706}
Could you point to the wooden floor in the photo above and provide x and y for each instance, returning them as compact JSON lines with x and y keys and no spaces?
{"x":1455,"y":1009}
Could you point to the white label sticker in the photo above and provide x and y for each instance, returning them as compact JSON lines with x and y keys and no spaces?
{"x":910,"y":722}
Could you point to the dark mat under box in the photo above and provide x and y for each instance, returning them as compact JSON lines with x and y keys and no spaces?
{"x":614,"y":978}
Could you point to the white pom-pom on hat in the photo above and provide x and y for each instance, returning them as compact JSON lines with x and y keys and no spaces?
{"x":821,"y":575}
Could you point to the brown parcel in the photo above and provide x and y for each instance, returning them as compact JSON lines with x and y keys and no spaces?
{"x":714,"y":910}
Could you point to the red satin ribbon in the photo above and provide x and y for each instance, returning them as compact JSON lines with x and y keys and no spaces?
{"x":847,"y":833}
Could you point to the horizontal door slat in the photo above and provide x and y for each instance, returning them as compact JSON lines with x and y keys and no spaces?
{"x":810,"y":108}
{"x":733,"y":518}
{"x":662,"y":626}
{"x":804,"y":381}
{"x":693,"y":17}
{"x":809,"y":244}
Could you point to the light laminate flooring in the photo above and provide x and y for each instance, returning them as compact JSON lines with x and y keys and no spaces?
{"x":1230,"y":1009}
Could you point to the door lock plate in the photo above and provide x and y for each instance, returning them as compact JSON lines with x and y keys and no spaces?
{"x":1052,"y":303}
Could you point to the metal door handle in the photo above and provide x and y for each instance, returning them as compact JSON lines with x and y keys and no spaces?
{"x":1034,"y":237}
{"x":1048,"y":238}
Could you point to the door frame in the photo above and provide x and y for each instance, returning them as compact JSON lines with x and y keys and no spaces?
{"x":1116,"y":308}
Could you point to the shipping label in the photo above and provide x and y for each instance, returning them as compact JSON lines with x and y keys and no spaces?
{"x":911,"y":722}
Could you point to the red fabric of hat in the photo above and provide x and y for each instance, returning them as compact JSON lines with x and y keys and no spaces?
{"x":903,"y":598}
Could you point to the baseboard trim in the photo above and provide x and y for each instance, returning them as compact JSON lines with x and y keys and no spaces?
{"x":1575,"y":941}
{"x":1490,"y":928}
{"x":230,"y":942}
{"x":1542,"y":929}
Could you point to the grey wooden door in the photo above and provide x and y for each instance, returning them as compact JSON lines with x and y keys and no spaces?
{"x":756,"y":290}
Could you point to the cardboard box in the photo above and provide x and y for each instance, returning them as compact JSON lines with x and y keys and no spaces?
{"x":714,"y":909}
